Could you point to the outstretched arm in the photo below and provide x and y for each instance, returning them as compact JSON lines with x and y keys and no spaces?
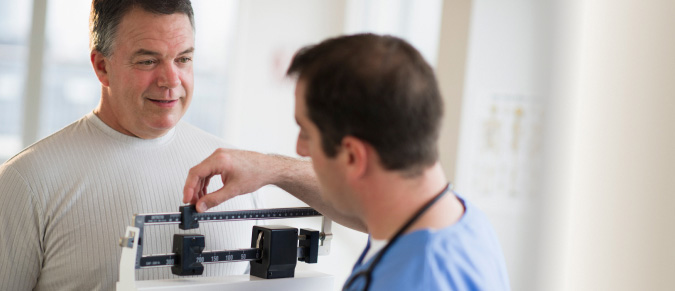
{"x":243,"y":172}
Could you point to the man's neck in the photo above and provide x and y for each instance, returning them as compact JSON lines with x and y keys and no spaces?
{"x":113,"y":122}
{"x":392,"y":200}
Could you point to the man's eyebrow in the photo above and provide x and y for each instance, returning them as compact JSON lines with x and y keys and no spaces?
{"x":187,"y":51}
{"x":144,"y":52}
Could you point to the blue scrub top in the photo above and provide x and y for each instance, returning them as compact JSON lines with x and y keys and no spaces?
{"x":464,"y":256}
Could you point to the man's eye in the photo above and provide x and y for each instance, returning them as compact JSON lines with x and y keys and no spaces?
{"x":184,"y":60}
{"x":146,"y":62}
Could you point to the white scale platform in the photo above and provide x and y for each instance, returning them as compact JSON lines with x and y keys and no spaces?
{"x":303,"y":280}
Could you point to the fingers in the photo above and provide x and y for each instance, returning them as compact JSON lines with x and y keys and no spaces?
{"x":193,"y":185}
{"x":191,"y":194}
{"x":240,"y":172}
{"x":199,"y":176}
{"x":203,"y":191}
{"x":197,"y":192}
{"x":213,"y":199}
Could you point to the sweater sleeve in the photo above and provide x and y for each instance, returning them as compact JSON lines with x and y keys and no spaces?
{"x":20,"y":227}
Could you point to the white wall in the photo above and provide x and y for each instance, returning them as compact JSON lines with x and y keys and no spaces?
{"x":590,"y":202}
{"x":618,"y":218}
{"x":501,"y":130}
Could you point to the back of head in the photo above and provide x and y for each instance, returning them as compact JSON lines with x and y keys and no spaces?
{"x":378,"y":89}
{"x":106,"y":16}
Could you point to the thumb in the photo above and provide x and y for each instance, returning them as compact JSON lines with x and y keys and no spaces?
{"x":214,"y":199}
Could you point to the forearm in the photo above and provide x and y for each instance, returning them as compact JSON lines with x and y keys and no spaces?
{"x":243,"y":172}
{"x":297,"y":177}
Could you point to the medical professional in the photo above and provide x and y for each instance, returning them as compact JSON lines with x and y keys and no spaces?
{"x":369,"y":111}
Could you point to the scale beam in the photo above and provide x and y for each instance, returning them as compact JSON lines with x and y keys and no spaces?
{"x":274,"y":250}
{"x":169,"y":260}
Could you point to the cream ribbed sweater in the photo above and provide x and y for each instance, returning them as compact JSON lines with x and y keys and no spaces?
{"x":66,"y":200}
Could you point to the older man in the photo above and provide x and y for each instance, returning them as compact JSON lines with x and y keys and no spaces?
{"x":67,"y":199}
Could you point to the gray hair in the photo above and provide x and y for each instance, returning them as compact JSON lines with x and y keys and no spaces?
{"x":106,"y":16}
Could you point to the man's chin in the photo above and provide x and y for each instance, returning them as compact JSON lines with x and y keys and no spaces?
{"x":162,"y":129}
{"x":159,"y":129}
{"x":165,"y":122}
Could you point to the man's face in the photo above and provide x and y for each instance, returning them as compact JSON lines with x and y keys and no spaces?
{"x":149,"y":74}
{"x":327,"y":169}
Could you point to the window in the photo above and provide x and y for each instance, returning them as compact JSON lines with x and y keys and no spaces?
{"x":215,"y":24}
{"x":70,"y":88}
{"x":14,"y":31}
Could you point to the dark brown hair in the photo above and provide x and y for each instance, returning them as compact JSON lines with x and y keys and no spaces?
{"x":378,"y":89}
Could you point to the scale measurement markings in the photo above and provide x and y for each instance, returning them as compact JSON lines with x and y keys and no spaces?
{"x":258,"y":214}
{"x":205,"y":257}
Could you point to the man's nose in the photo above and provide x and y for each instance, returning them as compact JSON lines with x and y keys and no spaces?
{"x":301,"y":148}
{"x":169,"y":76}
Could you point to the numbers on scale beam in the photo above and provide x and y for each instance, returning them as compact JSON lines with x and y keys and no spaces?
{"x":246,"y":214}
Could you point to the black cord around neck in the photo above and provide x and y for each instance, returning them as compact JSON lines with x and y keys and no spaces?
{"x":368,"y":272}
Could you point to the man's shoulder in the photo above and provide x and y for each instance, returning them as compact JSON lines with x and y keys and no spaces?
{"x":468,"y":253}
{"x":472,"y":239}
{"x":441,"y":261}
{"x":464,"y":256}
{"x":52,"y":145}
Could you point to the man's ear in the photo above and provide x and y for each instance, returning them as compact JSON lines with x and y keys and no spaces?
{"x":100,"y":64}
{"x":356,"y":157}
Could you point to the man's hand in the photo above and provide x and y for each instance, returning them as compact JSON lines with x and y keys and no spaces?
{"x":242,"y":172}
